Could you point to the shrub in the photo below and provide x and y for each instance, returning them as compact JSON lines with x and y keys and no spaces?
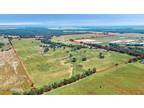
{"x":73,"y":60}
{"x":84,"y":59}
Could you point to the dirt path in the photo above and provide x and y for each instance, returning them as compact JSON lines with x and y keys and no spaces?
{"x":29,"y":79}
{"x":101,"y":70}
{"x":70,"y":68}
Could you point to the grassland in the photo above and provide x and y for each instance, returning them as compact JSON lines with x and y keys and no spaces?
{"x":45,"y":68}
{"x":126,"y":79}
{"x":93,"y":60}
{"x":56,"y":64}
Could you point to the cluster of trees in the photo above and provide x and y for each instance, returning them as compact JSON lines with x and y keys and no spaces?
{"x":57,"y":44}
{"x":127,"y":49}
{"x":136,"y":59}
{"x":121,"y":50}
{"x":36,"y":31}
{"x":73,"y":59}
{"x":39,"y":91}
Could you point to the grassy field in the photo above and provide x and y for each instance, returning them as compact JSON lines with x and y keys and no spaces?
{"x":126,"y":79}
{"x":93,"y":60}
{"x":56,"y":65}
{"x":43,"y":68}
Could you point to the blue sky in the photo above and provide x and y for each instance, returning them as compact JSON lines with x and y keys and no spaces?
{"x":72,"y":19}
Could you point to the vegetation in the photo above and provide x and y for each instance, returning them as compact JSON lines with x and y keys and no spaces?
{"x":45,"y":68}
{"x":126,"y":79}
{"x":101,"y":56}
{"x":54,"y":85}
{"x":84,"y":59}
{"x":65,"y":61}
{"x":1,"y":45}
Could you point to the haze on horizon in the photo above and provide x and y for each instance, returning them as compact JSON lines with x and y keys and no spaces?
{"x":72,"y":19}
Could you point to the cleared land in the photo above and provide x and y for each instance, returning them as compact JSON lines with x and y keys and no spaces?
{"x":12,"y":74}
{"x":55,"y":65}
{"x":123,"y":79}
{"x":126,"y":79}
{"x":43,"y":68}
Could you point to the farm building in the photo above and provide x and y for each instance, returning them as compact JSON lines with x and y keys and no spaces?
{"x":39,"y":37}
{"x":13,"y":37}
{"x":45,"y":45}
{"x":87,"y":41}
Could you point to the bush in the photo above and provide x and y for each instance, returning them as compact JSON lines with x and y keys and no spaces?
{"x":73,"y":60}
{"x":84,"y":59}
{"x":46,"y":49}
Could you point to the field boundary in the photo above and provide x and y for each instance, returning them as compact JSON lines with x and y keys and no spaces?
{"x":29,"y":79}
{"x":106,"y":69}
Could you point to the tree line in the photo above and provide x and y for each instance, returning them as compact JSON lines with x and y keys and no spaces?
{"x":129,"y":52}
{"x":59,"y":45}
{"x":54,"y":85}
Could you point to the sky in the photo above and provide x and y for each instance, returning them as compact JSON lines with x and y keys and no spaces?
{"x":72,"y":19}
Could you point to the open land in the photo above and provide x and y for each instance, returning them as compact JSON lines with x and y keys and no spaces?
{"x":114,"y":75}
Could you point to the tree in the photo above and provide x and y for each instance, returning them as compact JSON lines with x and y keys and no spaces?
{"x":73,"y":59}
{"x":94,"y":70}
{"x":84,"y":59}
{"x":70,"y":55}
{"x":101,"y":56}
{"x":46,"y":49}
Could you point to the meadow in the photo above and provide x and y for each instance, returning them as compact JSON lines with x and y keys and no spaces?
{"x":126,"y":79}
{"x":43,"y":68}
{"x":55,"y":65}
